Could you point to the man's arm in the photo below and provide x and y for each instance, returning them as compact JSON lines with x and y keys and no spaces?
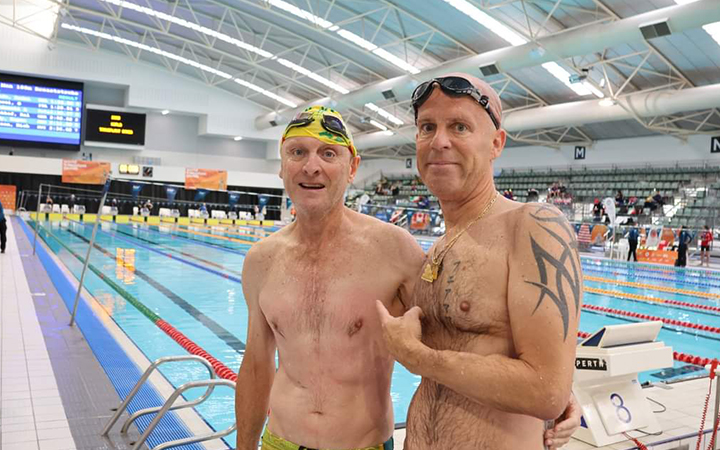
{"x":257,"y":372}
{"x":544,"y":299}
{"x":410,"y":260}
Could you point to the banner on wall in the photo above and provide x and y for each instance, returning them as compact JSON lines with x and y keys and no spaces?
{"x":200,"y":195}
{"x":171,"y":192}
{"x":85,"y":172}
{"x":263,"y":201}
{"x":136,"y":188}
{"x":206,"y":179}
{"x":7,"y":197}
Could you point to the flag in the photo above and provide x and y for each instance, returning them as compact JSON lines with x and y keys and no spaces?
{"x":200,"y":195}
{"x":136,"y":188}
{"x":171,"y":192}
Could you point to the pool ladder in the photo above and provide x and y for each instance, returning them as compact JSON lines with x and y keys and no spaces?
{"x":170,"y":404}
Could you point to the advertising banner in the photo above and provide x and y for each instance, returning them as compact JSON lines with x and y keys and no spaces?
{"x":85,"y":172}
{"x":206,"y":179}
{"x":7,"y":197}
{"x":657,"y":256}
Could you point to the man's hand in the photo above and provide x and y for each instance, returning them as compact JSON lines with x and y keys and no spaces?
{"x":565,"y":426}
{"x":402,"y":336}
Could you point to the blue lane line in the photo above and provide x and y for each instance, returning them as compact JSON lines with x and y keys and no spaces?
{"x":198,"y":266}
{"x":206,"y":244}
{"x":219,"y":331}
{"x":122,"y":372}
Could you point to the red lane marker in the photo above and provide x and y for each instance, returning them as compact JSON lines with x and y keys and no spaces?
{"x":221,"y":369}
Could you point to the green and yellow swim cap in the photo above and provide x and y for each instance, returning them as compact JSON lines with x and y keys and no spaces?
{"x":322,"y":123}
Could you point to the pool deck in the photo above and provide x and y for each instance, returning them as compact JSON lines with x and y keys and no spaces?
{"x":56,"y":396}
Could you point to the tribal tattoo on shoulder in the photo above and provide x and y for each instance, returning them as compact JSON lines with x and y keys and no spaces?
{"x":566,"y":265}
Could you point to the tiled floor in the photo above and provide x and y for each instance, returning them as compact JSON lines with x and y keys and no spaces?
{"x":32,"y":416}
{"x":684,"y":403}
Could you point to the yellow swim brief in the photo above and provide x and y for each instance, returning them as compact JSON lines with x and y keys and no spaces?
{"x":272,"y":442}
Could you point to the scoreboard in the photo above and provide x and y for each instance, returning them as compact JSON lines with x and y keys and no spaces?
{"x":115,"y":127}
{"x":37,"y":112}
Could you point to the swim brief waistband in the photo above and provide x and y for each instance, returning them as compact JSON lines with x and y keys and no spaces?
{"x":273,"y":442}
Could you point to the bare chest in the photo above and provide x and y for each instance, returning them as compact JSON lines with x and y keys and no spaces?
{"x":310,"y":299}
{"x":469,"y":297}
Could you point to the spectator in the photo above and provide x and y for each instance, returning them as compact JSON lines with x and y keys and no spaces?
{"x":553,"y":190}
{"x":379,"y":188}
{"x":684,"y":239}
{"x":423,"y":202}
{"x":658,"y":199}
{"x":619,"y":199}
{"x":706,"y":239}
{"x":533,"y":195}
{"x":650,"y":203}
{"x":3,"y":229}
{"x":632,"y":237}
{"x":598,"y":211}
{"x":396,"y":189}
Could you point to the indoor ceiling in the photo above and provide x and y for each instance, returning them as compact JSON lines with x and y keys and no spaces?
{"x":284,"y":53}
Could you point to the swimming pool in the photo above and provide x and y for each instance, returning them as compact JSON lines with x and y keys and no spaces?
{"x":190,"y":277}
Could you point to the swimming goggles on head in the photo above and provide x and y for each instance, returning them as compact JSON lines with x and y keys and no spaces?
{"x":329,"y":122}
{"x":452,"y":86}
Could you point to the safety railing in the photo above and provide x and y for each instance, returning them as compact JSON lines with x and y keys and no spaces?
{"x":170,"y":404}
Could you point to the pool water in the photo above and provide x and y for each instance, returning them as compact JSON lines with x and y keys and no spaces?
{"x":190,"y":276}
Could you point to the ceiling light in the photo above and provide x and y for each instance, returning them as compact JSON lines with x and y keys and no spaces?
{"x":181,"y":59}
{"x":232,"y":40}
{"x":377,"y":124}
{"x":237,"y":138}
{"x":713,"y":29}
{"x":348,"y":35}
{"x":165,"y":112}
{"x":401,"y":63}
{"x":606,"y":102}
{"x":488,"y":22}
{"x":301,"y":13}
{"x":313,"y":75}
{"x":375,"y":108}
{"x":191,"y":25}
{"x":265,"y":92}
{"x":516,"y":39}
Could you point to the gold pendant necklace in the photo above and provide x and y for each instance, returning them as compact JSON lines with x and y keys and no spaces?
{"x":432,"y":268}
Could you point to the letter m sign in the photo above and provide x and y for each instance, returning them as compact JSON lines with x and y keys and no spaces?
{"x":714,"y":144}
{"x":580,"y":152}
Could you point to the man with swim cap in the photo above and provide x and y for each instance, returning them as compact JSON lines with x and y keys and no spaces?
{"x":311,"y":289}
{"x":493,"y":322}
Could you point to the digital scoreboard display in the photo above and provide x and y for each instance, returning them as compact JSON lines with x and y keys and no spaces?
{"x":39,"y":112}
{"x":115,"y":127}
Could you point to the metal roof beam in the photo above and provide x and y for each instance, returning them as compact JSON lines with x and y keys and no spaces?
{"x":562,"y":45}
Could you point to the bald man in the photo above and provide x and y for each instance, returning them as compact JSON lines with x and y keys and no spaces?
{"x":493,"y":324}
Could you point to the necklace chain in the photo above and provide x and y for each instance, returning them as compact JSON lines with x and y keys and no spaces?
{"x":437,"y":260}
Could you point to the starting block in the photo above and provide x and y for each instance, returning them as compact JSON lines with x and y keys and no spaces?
{"x":606,"y":381}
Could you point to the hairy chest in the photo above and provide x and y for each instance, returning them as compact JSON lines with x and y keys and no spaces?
{"x":469,"y":297}
{"x":315,"y":298}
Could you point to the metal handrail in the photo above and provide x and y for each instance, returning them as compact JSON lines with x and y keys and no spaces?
{"x":168,"y":406}
{"x":123,"y":406}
